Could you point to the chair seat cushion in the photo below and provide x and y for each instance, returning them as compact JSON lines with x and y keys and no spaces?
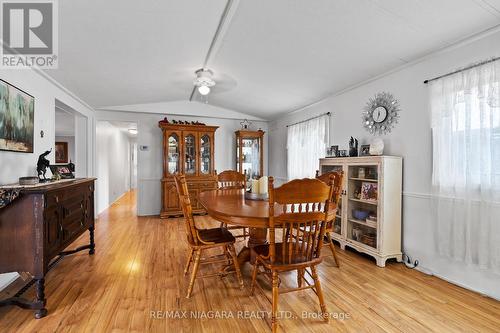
{"x":263,"y":250}
{"x":216,"y":235}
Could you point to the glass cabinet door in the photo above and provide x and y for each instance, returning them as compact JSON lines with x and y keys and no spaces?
{"x":190,"y":154}
{"x":250,"y":148}
{"x":205,"y":157}
{"x":173,"y":154}
{"x":362,"y":212}
{"x":337,"y":224}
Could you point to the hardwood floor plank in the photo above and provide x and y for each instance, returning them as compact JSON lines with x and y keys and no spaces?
{"x":136,"y":279}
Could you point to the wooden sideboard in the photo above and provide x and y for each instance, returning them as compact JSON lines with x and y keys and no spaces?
{"x":188,"y":150}
{"x":38,"y":226}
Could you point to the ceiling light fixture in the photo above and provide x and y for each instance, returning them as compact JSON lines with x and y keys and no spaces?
{"x":204,"y":90}
{"x":132,"y":131}
{"x":204,"y":81}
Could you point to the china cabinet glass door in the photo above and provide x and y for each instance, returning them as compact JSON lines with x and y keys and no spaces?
{"x":190,"y":154}
{"x":173,"y":154}
{"x":251,"y":157}
{"x":205,"y":154}
{"x":362,"y":214}
{"x":337,"y":224}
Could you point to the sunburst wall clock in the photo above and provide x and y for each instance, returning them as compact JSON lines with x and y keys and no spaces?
{"x":381,"y":113}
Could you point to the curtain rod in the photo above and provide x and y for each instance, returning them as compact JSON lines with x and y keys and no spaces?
{"x":303,"y":121}
{"x":463,"y":69}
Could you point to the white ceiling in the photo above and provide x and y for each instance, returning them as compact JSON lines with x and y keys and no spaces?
{"x":281,"y":54}
{"x":64,"y":123}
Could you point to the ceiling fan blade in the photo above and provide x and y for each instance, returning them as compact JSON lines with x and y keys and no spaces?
{"x":192,"y":94}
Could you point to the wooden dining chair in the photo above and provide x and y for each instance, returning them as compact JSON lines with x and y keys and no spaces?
{"x":200,"y":240}
{"x":337,"y":191}
{"x":231,"y":179}
{"x":298,"y":210}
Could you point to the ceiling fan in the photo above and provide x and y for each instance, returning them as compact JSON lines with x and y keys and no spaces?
{"x":206,"y":82}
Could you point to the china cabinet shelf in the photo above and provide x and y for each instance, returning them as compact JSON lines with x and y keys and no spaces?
{"x":366,"y":223}
{"x":364,"y":201}
{"x":364,"y":179}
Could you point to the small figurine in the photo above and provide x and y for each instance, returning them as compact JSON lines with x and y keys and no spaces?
{"x":42,"y":165}
{"x":353,"y":147}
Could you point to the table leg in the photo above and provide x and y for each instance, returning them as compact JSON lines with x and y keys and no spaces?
{"x":258,"y":236}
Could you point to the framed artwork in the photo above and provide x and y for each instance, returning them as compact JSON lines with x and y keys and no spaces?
{"x":17,"y":114}
{"x":61,"y":152}
{"x":364,"y":150}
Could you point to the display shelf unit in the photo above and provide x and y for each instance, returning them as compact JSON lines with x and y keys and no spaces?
{"x":372,"y":190}
{"x":250,"y":153}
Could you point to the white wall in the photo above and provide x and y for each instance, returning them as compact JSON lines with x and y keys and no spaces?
{"x":14,"y":165}
{"x":150,"y":162}
{"x":71,"y":146}
{"x":113,"y":162}
{"x":411,"y":139}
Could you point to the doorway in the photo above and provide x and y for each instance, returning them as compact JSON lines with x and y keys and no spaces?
{"x":71,"y":139}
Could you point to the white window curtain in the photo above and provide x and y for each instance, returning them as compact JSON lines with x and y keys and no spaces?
{"x":465,"y":111}
{"x":306,"y":144}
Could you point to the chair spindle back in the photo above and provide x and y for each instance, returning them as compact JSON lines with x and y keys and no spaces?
{"x":231,"y":179}
{"x":338,"y":177}
{"x":299,"y":208}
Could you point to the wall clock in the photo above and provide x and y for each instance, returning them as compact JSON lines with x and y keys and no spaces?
{"x":381,"y":113}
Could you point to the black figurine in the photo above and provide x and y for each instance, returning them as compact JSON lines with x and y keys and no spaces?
{"x":353,"y":147}
{"x":42,"y":165}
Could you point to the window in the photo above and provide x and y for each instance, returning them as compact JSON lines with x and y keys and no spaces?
{"x":306,"y":144}
{"x":465,"y":111}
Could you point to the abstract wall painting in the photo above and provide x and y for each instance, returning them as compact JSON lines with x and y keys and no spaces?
{"x":17,"y":114}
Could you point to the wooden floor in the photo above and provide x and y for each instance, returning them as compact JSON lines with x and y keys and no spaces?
{"x":137,"y":271}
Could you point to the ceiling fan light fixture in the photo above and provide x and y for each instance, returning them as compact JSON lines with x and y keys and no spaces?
{"x":204,"y":81}
{"x":204,"y":90}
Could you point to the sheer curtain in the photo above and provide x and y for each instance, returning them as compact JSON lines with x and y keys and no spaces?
{"x":306,"y":144}
{"x":466,"y":165}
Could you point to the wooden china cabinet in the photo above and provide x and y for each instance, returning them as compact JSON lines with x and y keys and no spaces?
{"x":250,"y":153}
{"x":189,"y":150}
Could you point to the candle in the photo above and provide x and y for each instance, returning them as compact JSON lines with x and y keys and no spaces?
{"x":255,"y":186}
{"x":263,"y":183}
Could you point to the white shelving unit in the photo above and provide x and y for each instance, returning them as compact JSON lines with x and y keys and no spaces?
{"x":378,"y":193}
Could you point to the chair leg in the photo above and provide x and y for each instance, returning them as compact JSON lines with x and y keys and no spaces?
{"x":194,"y":272}
{"x":274,"y":319}
{"x":190,"y":257}
{"x":319,"y":291}
{"x":223,"y":225}
{"x":300,"y":277}
{"x":232,"y":252}
{"x":332,"y":248}
{"x":254,"y":277}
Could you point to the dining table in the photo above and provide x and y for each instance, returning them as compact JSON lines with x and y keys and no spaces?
{"x":230,"y":206}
